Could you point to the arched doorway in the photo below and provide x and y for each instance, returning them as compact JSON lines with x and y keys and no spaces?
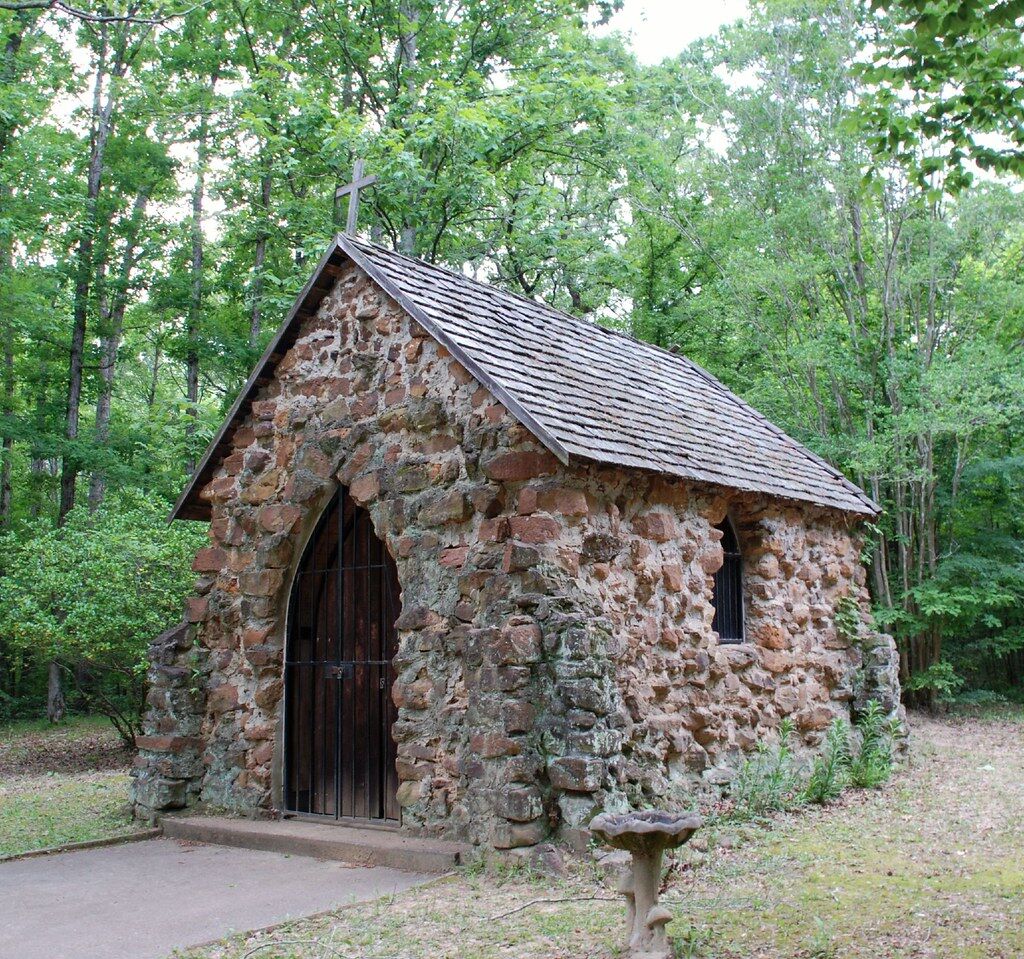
{"x":339,"y":750}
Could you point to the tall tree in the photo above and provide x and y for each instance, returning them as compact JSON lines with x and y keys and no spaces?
{"x":115,"y":48}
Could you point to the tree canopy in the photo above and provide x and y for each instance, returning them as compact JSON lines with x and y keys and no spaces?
{"x":819,"y":203}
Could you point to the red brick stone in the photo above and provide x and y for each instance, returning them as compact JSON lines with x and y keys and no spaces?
{"x":576,"y":774}
{"x":243,"y":437}
{"x":366,"y":488}
{"x":672,"y":574}
{"x":454,"y":557}
{"x":567,"y":502}
{"x":535,"y":529}
{"x":233,"y":464}
{"x":365,"y":406}
{"x":771,"y":635}
{"x":218,"y":490}
{"x":495,"y":413}
{"x":517,"y":645}
{"x":256,"y":731}
{"x":495,"y":530}
{"x":417,"y":617}
{"x":223,"y":698}
{"x":451,"y":507}
{"x":269,"y":694}
{"x":263,"y":582}
{"x":518,"y":717}
{"x":260,"y":489}
{"x":262,"y":656}
{"x":493,"y":745}
{"x":239,"y":559}
{"x":418,"y":694}
{"x":520,"y":465}
{"x":167,"y":744}
{"x":255,"y":635}
{"x":279,"y":518}
{"x":460,"y":374}
{"x":656,"y":525}
{"x":263,"y":753}
{"x":256,"y":460}
{"x":210,"y":560}
{"x":197,"y":609}
{"x":711,"y":558}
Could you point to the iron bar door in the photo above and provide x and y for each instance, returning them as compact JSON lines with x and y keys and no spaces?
{"x":339,"y":750}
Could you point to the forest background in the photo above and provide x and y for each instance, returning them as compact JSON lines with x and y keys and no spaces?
{"x":821,"y":204}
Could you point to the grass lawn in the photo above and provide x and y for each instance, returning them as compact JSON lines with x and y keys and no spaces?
{"x":61,"y":784}
{"x":928,"y":868}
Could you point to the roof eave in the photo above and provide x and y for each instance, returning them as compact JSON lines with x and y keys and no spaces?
{"x":188,"y":505}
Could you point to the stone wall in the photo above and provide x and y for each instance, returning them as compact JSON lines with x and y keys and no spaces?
{"x":555,"y":646}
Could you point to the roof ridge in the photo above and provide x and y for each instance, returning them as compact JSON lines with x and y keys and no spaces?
{"x":583,"y":389}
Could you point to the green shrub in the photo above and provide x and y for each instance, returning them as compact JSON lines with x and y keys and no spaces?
{"x":873,"y":763}
{"x":92,"y":594}
{"x":830,"y":773}
{"x":940,"y":678}
{"x":769,"y":782}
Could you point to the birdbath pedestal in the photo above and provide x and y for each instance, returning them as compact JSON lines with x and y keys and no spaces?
{"x":646,"y":836}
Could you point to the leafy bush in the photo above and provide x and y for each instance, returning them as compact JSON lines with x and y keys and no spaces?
{"x":92,"y":593}
{"x":770,"y":781}
{"x":940,"y":678}
{"x":830,"y":773}
{"x":873,"y":763}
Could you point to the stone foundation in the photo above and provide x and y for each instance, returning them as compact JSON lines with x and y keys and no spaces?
{"x":556,"y":656}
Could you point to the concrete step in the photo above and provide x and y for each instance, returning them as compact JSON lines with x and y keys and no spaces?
{"x":359,"y":845}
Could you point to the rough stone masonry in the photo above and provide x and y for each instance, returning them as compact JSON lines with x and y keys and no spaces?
{"x":556,"y":654}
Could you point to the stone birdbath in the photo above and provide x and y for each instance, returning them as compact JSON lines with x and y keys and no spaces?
{"x":646,"y":836}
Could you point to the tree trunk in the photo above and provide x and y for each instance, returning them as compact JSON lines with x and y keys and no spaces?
{"x":102,"y":110}
{"x":56,"y":707}
{"x":256,"y":314}
{"x":410,"y":55}
{"x":195,"y":303}
{"x":7,"y":381}
{"x":112,"y":343}
{"x":154,"y":379}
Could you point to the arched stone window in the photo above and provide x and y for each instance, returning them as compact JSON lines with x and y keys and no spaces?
{"x":728,"y":594}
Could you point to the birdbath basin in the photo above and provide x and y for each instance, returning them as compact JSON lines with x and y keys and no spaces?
{"x":646,"y":836}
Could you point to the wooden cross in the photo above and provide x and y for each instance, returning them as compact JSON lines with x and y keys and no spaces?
{"x":352,"y":192}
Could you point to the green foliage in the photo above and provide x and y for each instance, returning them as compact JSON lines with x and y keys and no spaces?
{"x":821,"y":944}
{"x":848,"y":618}
{"x":770,"y":781}
{"x":716,"y":204}
{"x":94,"y":592}
{"x":830,"y":773}
{"x":773,"y":780}
{"x":872,"y":766}
{"x":959,"y":64}
{"x":939,"y":678}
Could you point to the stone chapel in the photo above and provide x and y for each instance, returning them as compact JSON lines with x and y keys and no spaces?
{"x":480,"y":569}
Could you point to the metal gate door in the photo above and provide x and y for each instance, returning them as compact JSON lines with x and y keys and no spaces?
{"x":339,"y":751}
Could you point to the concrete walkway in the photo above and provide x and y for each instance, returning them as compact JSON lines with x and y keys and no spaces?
{"x":142,"y":900}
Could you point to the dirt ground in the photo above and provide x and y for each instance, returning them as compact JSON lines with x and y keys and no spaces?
{"x":929,"y":867}
{"x":82,"y":744}
{"x":61,"y":785}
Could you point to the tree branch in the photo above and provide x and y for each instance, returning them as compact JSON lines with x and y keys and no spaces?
{"x":88,"y":17}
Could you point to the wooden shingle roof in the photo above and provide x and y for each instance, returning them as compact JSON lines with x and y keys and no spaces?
{"x":586,"y":392}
